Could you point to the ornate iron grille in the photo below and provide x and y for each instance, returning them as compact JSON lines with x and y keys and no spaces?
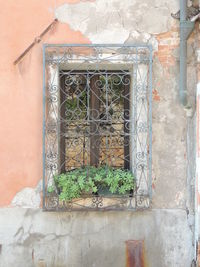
{"x":97,"y":112}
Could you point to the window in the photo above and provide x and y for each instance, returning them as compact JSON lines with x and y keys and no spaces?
{"x":97,"y":112}
{"x":94,"y":115}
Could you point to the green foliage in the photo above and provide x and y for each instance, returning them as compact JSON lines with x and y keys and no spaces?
{"x":50,"y":189}
{"x":90,"y":179}
{"x":77,"y":103}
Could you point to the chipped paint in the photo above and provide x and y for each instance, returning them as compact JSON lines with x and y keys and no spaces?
{"x":28,"y":197}
{"x":168,"y":42}
{"x":113,"y":21}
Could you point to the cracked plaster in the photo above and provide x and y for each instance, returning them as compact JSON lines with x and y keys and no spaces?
{"x":61,"y":240}
{"x":28,"y":197}
{"x":113,"y":21}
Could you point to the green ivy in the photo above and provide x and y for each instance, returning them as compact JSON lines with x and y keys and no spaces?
{"x":90,"y":179}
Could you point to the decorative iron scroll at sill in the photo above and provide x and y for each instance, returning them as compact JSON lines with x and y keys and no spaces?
{"x":97,"y":112}
{"x":98,"y":203}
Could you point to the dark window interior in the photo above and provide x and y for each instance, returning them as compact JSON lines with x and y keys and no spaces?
{"x":94,"y":119}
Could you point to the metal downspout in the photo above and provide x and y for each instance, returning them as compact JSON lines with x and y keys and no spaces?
{"x":186,"y":27}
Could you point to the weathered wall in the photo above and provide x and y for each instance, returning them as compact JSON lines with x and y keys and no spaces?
{"x":91,"y":239}
{"x":21,"y":91}
{"x":197,"y":150}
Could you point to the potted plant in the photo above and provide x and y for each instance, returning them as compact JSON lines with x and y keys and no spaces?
{"x":87,"y":180}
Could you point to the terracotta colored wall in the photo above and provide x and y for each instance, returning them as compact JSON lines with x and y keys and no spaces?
{"x":21,"y":90}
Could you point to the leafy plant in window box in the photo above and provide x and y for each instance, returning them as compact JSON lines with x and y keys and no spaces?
{"x":87,"y":180}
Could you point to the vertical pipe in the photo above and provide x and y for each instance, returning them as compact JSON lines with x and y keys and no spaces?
{"x":183,"y":10}
{"x":183,"y":53}
{"x":186,"y":28}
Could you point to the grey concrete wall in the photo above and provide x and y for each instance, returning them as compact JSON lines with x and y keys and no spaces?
{"x":30,"y":237}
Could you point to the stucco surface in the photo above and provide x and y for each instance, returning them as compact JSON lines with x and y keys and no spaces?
{"x":84,"y":22}
{"x":112,"y":21}
{"x":21,"y":91}
{"x":92,"y":239}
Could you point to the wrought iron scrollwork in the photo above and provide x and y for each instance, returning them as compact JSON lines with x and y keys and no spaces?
{"x":97,"y":113}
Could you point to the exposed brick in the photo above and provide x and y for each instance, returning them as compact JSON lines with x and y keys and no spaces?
{"x":156,"y":96}
{"x":167,"y":42}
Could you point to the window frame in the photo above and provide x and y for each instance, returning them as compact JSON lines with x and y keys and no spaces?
{"x":140,"y":200}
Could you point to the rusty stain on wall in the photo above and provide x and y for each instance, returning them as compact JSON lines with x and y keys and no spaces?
{"x":135,"y":256}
